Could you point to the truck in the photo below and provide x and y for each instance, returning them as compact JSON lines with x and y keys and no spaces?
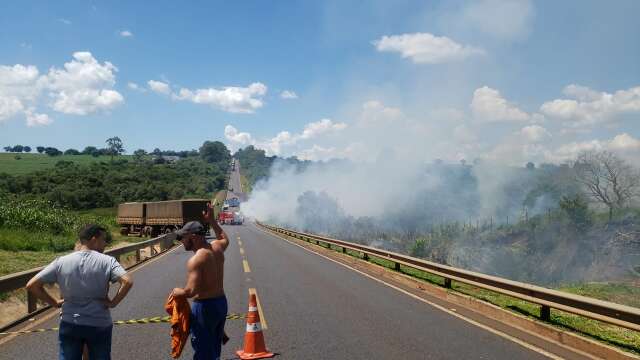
{"x":157,"y":217}
{"x":238,"y":219}
{"x":225,"y":217}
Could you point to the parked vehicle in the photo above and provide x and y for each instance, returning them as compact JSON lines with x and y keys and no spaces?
{"x":238,"y":219}
{"x":225,"y":217}
{"x":155,"y":218}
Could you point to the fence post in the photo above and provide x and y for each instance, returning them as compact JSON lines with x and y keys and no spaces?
{"x":447,"y":283}
{"x":138,"y":257}
{"x":545,"y":313}
{"x":32,"y":302}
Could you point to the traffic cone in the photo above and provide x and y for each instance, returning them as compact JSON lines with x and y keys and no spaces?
{"x":254,"y":347}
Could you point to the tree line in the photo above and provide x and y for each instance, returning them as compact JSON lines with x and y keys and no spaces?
{"x":106,"y":184}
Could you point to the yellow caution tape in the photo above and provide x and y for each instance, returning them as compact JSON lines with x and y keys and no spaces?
{"x":151,"y":320}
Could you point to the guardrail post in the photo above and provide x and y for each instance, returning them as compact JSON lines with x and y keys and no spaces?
{"x":545,"y":313}
{"x":447,"y":283}
{"x":117,"y":258}
{"x":365,"y":256}
{"x":397,"y":266}
{"x":138,"y":257}
{"x":32,"y":302}
{"x":344,"y":250}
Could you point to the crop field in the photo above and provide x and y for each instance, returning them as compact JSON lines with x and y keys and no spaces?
{"x":24,"y":163}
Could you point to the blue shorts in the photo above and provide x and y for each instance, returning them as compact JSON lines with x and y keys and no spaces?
{"x":207,"y":326}
{"x":73,"y":337}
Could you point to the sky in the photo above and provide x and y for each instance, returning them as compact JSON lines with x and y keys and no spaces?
{"x":514,"y":81}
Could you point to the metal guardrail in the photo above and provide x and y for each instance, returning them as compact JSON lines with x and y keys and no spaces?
{"x":19,"y":280}
{"x":616,"y":314}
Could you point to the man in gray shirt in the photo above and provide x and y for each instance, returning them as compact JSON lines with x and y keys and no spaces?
{"x":83,"y":277}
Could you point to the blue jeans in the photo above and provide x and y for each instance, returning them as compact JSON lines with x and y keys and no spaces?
{"x":207,"y":326}
{"x":72,"y":337}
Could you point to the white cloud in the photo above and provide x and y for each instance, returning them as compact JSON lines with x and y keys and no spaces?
{"x":503,"y":19}
{"x":323,"y":126}
{"x":83,"y":86}
{"x":425,"y":48}
{"x":622,"y":144}
{"x":35,"y":119}
{"x":287,"y":94}
{"x":159,"y":87}
{"x":9,"y":106}
{"x":586,"y":107}
{"x":64,"y":21}
{"x":534,"y":133}
{"x":276,"y":145}
{"x":133,"y":86}
{"x":237,"y":138}
{"x":375,"y":113}
{"x":489,"y":106}
{"x":126,"y":33}
{"x":230,"y":99}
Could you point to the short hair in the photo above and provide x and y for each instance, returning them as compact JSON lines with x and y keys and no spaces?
{"x":90,"y":230}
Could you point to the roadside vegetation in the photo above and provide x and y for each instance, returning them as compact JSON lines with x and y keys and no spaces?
{"x":255,"y":165}
{"x":43,"y":205}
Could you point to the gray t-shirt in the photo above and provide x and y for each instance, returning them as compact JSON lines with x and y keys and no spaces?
{"x":83,"y":277}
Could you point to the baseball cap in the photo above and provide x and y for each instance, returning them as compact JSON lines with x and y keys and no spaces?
{"x":192,"y":227}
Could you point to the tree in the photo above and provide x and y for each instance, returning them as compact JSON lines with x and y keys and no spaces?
{"x":72,"y":152}
{"x":90,"y":150}
{"x":18,"y":148}
{"x":577,"y":210}
{"x":157,"y":152}
{"x":215,"y":152}
{"x":139,"y":155}
{"x":530,"y":166}
{"x":8,"y":148}
{"x":27,"y":149}
{"x":115,"y":146}
{"x":607,"y":178}
{"x":51,"y":151}
{"x":40,"y":149}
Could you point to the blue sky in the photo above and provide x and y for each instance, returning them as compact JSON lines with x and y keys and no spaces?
{"x":449,"y":79}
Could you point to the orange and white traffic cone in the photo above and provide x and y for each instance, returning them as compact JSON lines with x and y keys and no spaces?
{"x":254,"y":347}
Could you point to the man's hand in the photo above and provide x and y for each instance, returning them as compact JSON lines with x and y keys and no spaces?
{"x":109,"y":304}
{"x":59,"y":303}
{"x":178,"y":292}
{"x":207,"y":215}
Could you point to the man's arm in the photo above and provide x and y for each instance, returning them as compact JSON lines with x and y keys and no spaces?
{"x":221,"y":237}
{"x":36,"y":287}
{"x":125,"y":285}
{"x":194,"y":279}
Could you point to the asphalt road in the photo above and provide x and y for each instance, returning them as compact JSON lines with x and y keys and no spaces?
{"x":314,"y":309}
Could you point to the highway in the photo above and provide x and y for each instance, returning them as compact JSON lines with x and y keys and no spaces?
{"x":313,"y":308}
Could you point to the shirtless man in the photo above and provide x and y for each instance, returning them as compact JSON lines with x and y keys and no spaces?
{"x":205,"y":273}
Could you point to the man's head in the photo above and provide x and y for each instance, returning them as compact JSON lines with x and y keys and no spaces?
{"x":94,"y":237}
{"x":191,"y":235}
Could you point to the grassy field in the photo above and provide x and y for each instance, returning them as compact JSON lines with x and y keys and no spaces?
{"x":14,"y":261}
{"x":27,"y":162}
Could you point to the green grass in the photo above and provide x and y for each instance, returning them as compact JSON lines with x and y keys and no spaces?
{"x":29,"y":162}
{"x":244,"y":182}
{"x":15,"y":261}
{"x":626,"y":294}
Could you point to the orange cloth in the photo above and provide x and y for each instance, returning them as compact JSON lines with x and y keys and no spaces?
{"x":180,"y":312}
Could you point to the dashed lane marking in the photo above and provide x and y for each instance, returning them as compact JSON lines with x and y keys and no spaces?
{"x":263,"y":320}
{"x":245,"y":265}
{"x":241,"y":251}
